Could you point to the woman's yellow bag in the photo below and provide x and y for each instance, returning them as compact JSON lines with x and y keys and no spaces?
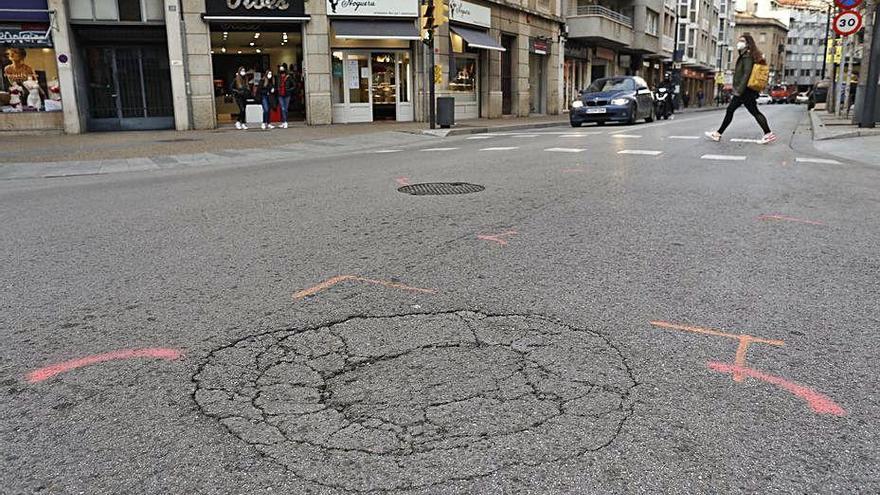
{"x":759,"y":77}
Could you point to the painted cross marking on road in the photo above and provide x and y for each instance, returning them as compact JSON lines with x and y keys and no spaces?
{"x":818,"y":402}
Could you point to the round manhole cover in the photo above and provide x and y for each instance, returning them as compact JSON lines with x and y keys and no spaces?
{"x":440,"y":188}
{"x":399,"y":402}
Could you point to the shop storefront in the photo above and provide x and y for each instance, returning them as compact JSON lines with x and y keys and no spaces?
{"x":603,"y":63}
{"x":371,"y":59}
{"x":30,"y":94}
{"x":261,"y":38}
{"x":470,"y":44}
{"x":538,"y":50}
{"x":575,"y":71}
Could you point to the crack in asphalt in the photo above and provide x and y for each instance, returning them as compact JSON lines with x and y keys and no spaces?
{"x":376,"y":404}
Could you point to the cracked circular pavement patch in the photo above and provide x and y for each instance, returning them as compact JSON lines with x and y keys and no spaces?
{"x":397,"y":402}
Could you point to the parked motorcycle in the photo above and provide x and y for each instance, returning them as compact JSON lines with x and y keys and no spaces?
{"x":662,"y":103}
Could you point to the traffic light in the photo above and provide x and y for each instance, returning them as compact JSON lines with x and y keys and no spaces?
{"x":441,"y":13}
{"x":426,"y":20}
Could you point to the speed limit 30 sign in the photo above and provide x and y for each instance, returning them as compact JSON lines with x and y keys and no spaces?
{"x":847,"y":22}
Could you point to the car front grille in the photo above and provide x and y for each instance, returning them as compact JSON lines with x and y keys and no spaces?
{"x":596,"y":103}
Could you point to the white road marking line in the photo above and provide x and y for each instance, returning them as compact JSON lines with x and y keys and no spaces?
{"x":480,"y":137}
{"x":501,"y":148}
{"x":816,"y":160}
{"x":388,"y":151}
{"x":583,"y":134}
{"x":639,"y":152}
{"x":439,"y":149}
{"x":723,"y":157}
{"x":626,"y":136}
{"x":566,"y":150}
{"x":524,"y":135}
{"x":741,"y":140}
{"x":683,"y":137}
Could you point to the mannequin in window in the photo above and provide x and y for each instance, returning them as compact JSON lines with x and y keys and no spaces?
{"x":35,"y":93}
{"x":15,"y":92}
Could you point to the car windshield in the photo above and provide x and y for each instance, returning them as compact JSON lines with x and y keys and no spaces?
{"x":611,"y":84}
{"x":777,"y":88}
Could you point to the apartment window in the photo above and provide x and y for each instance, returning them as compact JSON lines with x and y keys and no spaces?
{"x":762,"y":38}
{"x":653,"y":23}
{"x":117,"y":10}
{"x":791,"y":41}
{"x":806,"y":57}
{"x":805,"y":72}
{"x":808,"y":41}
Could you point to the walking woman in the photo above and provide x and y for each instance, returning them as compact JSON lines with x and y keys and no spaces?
{"x":267,"y":95}
{"x":241,"y":89}
{"x":749,"y":55}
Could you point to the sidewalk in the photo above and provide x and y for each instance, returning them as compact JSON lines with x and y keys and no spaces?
{"x":112,"y":152}
{"x":829,"y":126}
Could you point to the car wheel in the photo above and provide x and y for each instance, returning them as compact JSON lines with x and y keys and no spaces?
{"x":650,"y":117}
{"x":633,"y":115}
{"x":576,"y":124}
{"x":600,"y":122}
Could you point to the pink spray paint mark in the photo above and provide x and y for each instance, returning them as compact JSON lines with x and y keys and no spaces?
{"x":402,"y":181}
{"x":819,"y":403}
{"x":58,"y":368}
{"x":788,"y":219}
{"x":499,"y":238}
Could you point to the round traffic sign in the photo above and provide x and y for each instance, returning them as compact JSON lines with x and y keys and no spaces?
{"x":847,"y":4}
{"x":847,"y":22}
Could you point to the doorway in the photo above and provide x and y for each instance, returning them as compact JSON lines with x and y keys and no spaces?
{"x":129,"y":88}
{"x":508,"y":43}
{"x":597,"y":72}
{"x":536,"y":84}
{"x":369,"y":86}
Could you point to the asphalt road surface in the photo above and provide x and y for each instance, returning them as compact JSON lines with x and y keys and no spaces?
{"x":622,"y":309}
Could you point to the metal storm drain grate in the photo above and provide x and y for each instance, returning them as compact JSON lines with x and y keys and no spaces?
{"x":441,"y":188}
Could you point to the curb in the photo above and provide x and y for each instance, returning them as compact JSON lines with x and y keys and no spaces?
{"x":821,"y":133}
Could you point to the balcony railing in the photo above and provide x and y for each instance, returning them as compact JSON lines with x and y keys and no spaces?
{"x":598,"y":10}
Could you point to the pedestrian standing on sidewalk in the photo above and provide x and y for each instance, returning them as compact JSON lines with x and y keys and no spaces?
{"x":285,"y":91}
{"x":241,"y":89}
{"x":268,"y":95}
{"x":749,"y":55}
{"x":701,"y":97}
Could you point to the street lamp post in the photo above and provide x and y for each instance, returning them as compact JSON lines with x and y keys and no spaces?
{"x":676,"y":62}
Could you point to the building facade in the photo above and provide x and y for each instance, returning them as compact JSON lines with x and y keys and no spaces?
{"x":804,"y":46}
{"x":163,"y":64}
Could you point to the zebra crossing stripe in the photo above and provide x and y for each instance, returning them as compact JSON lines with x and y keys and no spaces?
{"x":439,"y":149}
{"x":639,"y":152}
{"x":723,"y":157}
{"x":566,"y":150}
{"x":501,"y":148}
{"x":683,"y":137}
{"x":816,"y":160}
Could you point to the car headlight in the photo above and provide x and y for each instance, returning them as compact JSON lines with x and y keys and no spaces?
{"x":620,"y":101}
{"x":577,"y":104}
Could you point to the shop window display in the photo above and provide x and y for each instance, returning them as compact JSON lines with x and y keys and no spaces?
{"x":29,"y":81}
{"x":463,"y":70}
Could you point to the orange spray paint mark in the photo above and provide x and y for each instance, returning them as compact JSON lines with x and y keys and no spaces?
{"x":342,"y":278}
{"x":402,"y":181}
{"x":499,"y":238}
{"x":788,"y":219}
{"x":819,"y":403}
{"x":49,"y":371}
{"x":744,"y":341}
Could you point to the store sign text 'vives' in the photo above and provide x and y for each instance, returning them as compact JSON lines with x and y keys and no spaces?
{"x":258,"y":4}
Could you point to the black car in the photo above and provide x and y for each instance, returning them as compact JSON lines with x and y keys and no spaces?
{"x":613,"y":99}
{"x":818,"y":93}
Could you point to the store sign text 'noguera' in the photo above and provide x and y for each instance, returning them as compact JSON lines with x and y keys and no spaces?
{"x":258,"y":4}
{"x":381,"y":8}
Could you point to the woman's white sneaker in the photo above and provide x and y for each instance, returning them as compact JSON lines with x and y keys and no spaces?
{"x":244,"y":127}
{"x":284,"y":125}
{"x":714,"y":136}
{"x":263,"y":126}
{"x":768,"y":138}
{"x":237,"y":124}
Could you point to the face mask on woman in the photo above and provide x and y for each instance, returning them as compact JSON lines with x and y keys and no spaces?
{"x":740,"y":45}
{"x":242,"y":73}
{"x":269,"y":75}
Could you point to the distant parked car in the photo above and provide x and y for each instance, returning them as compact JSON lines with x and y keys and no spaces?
{"x":613,"y":99}
{"x":779,"y":93}
{"x":818,"y":93}
{"x":764,"y":99}
{"x":802,"y":97}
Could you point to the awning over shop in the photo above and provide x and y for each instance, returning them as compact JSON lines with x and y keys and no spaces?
{"x":24,"y":11}
{"x":477,"y":39}
{"x":376,"y":30}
